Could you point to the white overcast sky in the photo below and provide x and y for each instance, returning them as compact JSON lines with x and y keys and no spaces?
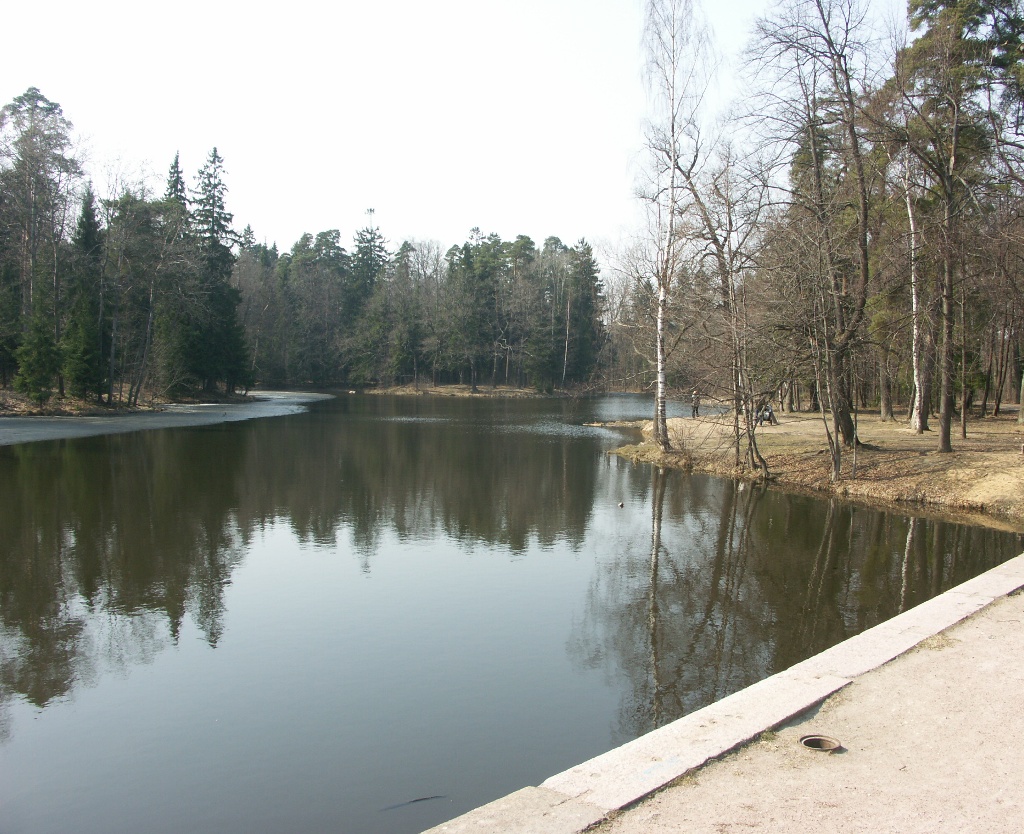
{"x":519,"y":116}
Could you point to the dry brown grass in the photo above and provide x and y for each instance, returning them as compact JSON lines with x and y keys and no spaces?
{"x":983,"y":478}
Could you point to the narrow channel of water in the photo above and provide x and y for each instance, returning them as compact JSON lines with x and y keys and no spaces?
{"x":307,"y":623}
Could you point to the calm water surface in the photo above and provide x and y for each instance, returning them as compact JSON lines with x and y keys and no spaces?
{"x":304,"y":623}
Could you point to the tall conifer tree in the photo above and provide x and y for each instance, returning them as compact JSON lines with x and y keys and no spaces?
{"x":81,"y":345}
{"x":218,"y":350}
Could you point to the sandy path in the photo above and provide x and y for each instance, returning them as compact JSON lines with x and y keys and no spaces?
{"x":266,"y":404}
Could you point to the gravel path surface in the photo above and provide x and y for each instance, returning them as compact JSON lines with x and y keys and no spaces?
{"x":266,"y":404}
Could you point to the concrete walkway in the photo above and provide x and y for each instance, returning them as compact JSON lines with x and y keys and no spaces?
{"x":928,"y":707}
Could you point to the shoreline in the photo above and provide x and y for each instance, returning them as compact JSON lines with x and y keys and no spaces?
{"x":425,"y":389}
{"x":15,"y":430}
{"x":980,"y":482}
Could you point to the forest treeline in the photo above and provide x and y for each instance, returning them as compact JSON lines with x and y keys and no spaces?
{"x":850,"y":237}
{"x":488,"y":311}
{"x":107,"y":297}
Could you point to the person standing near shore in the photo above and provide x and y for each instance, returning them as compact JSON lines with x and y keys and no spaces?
{"x":695,"y":404}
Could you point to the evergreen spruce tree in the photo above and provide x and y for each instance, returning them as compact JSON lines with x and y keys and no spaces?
{"x":585,"y":329}
{"x":81,"y":346}
{"x":368,"y":262}
{"x":211,"y":219}
{"x":38,"y":361}
{"x":176,"y":190}
{"x":218,"y":345}
{"x":178,"y":313}
{"x":248,"y":239}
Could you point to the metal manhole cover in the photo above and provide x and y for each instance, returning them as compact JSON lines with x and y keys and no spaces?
{"x":825,"y":744}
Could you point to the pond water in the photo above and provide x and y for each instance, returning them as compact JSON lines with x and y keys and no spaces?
{"x":306,"y":623}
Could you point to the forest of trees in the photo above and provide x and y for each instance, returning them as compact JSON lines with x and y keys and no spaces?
{"x":848,"y":237}
{"x":488,"y":311}
{"x":107,"y":298}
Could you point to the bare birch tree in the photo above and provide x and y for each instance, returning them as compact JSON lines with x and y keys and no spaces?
{"x":676,"y":47}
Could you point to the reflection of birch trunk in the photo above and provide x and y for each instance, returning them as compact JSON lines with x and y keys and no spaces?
{"x":657,"y":509}
{"x":816,"y":584}
{"x":951,"y":551}
{"x":936,"y":558}
{"x":721,"y":613}
{"x":905,"y":571}
{"x":834,"y":445}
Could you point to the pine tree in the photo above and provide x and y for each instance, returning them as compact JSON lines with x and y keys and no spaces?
{"x":37,"y":180}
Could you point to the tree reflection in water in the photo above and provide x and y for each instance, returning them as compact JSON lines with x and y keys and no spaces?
{"x":742,"y":582}
{"x":111,"y":542}
{"x":104,"y":553}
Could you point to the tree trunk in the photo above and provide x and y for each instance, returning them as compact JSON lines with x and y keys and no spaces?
{"x":147,"y":341}
{"x":839,"y":396}
{"x":884,"y":387}
{"x":1002,"y":364}
{"x":57,"y":304}
{"x":834,"y":447}
{"x":965,"y":396}
{"x":114,"y":318}
{"x":922,"y":384}
{"x":1020,"y":399}
{"x":946,"y":366}
{"x":988,"y":381}
{"x":660,"y":421}
{"x":565,"y":355}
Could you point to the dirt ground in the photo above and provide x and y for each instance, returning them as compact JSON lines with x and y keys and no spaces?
{"x":982,"y":480}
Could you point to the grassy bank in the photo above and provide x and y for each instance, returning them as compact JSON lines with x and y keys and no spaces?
{"x":982,"y":480}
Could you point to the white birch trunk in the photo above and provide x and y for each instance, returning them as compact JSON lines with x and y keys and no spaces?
{"x":661,"y":389}
{"x":918,"y":407}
